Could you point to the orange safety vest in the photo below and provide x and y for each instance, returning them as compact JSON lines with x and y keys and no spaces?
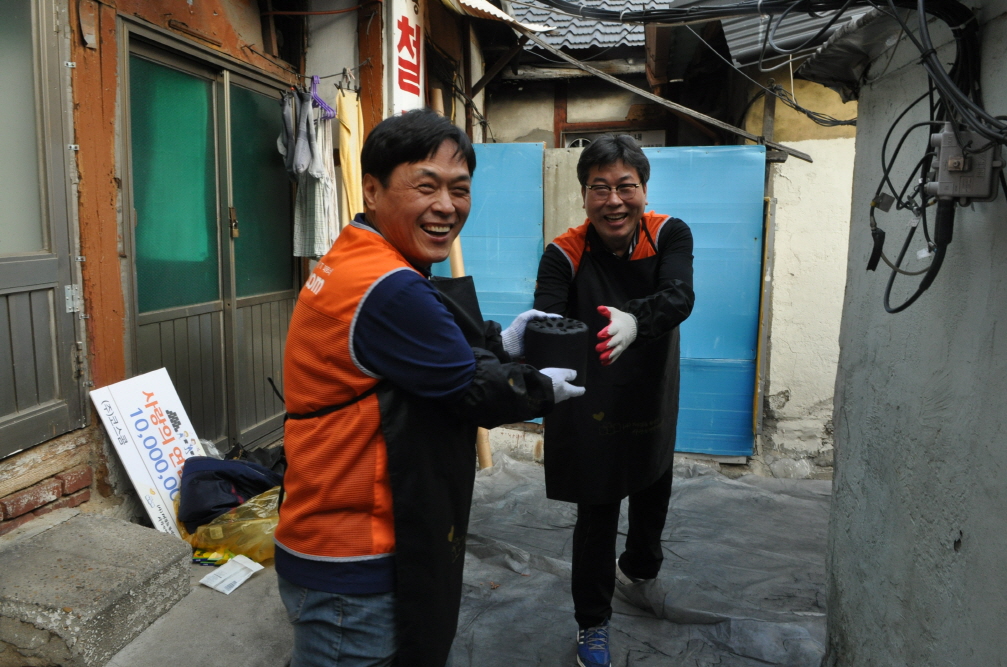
{"x":573,"y":241}
{"x":338,"y":502}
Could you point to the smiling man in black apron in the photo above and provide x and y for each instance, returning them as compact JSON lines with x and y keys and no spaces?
{"x":387,"y":374}
{"x":628,"y":275}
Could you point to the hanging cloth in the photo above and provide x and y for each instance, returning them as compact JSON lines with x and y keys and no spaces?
{"x":314,"y":202}
{"x":351,"y":134}
{"x":326,"y":141}
{"x":285,"y":142}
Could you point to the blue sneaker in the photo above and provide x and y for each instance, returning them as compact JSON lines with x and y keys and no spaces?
{"x":592,"y":647}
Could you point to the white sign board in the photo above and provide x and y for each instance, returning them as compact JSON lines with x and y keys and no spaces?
{"x":406,"y":61}
{"x":153,"y":436}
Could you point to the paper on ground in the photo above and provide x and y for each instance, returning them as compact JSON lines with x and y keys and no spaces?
{"x":232,"y":574}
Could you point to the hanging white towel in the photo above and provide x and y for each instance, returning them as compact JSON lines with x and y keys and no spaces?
{"x":315,"y":199}
{"x":326,"y":139}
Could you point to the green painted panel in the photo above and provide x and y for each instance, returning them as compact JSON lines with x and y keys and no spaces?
{"x":263,"y":253}
{"x":174,"y":187}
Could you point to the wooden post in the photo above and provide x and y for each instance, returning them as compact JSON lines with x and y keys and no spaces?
{"x":483,"y":450}
{"x":768,"y":129}
{"x":370,"y":50}
{"x":455,"y":258}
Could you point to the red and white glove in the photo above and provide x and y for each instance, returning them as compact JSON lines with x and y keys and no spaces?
{"x":617,"y":336}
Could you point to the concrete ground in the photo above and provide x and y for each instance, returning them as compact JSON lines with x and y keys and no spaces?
{"x":247,"y":628}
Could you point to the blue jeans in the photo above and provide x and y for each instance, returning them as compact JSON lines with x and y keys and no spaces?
{"x":336,"y":630}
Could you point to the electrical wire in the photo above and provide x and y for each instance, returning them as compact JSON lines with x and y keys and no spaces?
{"x":780,"y":92}
{"x":818,"y":35}
{"x":954,"y":96}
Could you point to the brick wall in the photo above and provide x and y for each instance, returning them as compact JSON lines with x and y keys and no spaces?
{"x":68,"y":488}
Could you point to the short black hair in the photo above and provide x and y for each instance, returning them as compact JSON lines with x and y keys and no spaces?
{"x":409,"y":138}
{"x":608,"y":149}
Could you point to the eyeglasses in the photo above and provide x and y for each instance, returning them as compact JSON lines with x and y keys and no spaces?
{"x":624,"y":190}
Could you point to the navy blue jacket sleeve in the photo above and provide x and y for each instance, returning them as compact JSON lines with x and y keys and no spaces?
{"x":405,"y":334}
{"x":552,"y":286}
{"x":672,"y":302}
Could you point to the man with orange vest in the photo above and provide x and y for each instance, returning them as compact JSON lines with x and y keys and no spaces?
{"x":628,"y":275}
{"x":388,"y":372}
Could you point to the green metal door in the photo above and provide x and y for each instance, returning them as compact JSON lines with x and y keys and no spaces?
{"x":212,"y":298}
{"x":263,"y":258}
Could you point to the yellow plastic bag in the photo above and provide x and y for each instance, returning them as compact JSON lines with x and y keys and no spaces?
{"x":247,"y":529}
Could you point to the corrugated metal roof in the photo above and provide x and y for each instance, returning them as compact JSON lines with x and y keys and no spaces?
{"x":744,"y":35}
{"x":843,"y":61}
{"x":575,"y":33}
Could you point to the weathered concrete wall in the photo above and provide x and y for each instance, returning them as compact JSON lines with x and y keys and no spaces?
{"x":590,"y":100}
{"x":808,"y":277}
{"x":332,"y":41}
{"x":522,"y":112}
{"x":917,"y":539}
{"x":791,"y":125}
{"x":564,"y":207}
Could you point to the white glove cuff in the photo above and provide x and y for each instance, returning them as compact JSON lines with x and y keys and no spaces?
{"x":513,"y":342}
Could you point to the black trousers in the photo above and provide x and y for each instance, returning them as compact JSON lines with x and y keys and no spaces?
{"x":594,"y":534}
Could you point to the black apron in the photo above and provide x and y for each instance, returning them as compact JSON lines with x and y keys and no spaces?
{"x":431,"y":465}
{"x":620,"y":436}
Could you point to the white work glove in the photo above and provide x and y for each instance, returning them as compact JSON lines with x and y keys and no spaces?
{"x":561,"y":387}
{"x":617,"y":336}
{"x":513,"y":336}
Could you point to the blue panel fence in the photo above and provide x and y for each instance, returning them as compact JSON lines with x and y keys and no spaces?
{"x":718,"y":191}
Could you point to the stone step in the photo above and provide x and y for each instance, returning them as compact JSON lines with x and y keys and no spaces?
{"x":76,"y":588}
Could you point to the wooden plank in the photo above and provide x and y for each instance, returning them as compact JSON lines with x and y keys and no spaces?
{"x":545,"y":73}
{"x":8,"y":401}
{"x":243,"y":361}
{"x":181,"y":378}
{"x":559,"y":112}
{"x":498,"y":65}
{"x":288,"y":312}
{"x":43,"y":461}
{"x":275,"y":316}
{"x":168,"y":349}
{"x":23,"y":350}
{"x":370,"y":50}
{"x":219,"y":397}
{"x":257,"y":366}
{"x":148,"y":343}
{"x":44,"y":333}
{"x":206,"y":343}
{"x":198,"y":414}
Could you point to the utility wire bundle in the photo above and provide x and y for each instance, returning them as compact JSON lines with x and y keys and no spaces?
{"x":955,"y":102}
